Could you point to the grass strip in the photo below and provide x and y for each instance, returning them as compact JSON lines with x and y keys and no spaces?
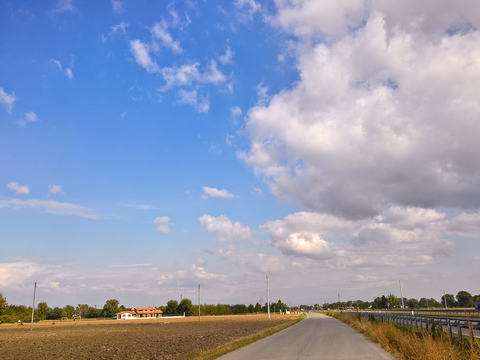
{"x":241,"y":342}
{"x":406,"y":343}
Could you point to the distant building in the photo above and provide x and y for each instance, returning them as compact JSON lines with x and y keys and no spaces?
{"x":139,"y":313}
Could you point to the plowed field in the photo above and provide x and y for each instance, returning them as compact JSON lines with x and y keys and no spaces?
{"x":127,"y":339}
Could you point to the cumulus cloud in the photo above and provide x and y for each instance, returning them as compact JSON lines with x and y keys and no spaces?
{"x":201,"y":104}
{"x":64,"y":5}
{"x":189,"y":73}
{"x":141,"y":52}
{"x":117,"y":6}
{"x":55,"y":189}
{"x":247,"y":8}
{"x":19,"y":189}
{"x":235,"y":111}
{"x":370,"y":122}
{"x":227,"y":57}
{"x":67,"y":71}
{"x":179,"y":76}
{"x":160,"y":32}
{"x":7,"y":99}
{"x":120,"y":28}
{"x":51,"y":207}
{"x":29,"y":117}
{"x":225,"y":230}
{"x":214,"y":192}
{"x":413,"y":236}
{"x":163,"y":224}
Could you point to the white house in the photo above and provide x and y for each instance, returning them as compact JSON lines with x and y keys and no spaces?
{"x":139,"y":313}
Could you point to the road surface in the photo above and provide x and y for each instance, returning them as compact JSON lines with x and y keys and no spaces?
{"x":317,"y":337}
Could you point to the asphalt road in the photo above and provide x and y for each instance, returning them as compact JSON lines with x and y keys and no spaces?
{"x":317,"y":337}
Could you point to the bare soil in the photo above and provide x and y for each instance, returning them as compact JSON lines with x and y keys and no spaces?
{"x":127,"y":339}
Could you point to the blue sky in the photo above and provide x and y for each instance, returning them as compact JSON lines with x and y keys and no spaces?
{"x":148,"y":146}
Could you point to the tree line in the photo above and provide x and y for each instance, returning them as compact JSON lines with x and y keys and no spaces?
{"x":462,"y":300}
{"x":15,"y":313}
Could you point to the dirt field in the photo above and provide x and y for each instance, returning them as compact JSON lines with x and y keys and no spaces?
{"x":127,"y":339}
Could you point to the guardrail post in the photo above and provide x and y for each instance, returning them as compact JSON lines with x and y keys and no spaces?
{"x":416,"y":325}
{"x":459,"y":330}
{"x":449,"y":325}
{"x":472,"y":333}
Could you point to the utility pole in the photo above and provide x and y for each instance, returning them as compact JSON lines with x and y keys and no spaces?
{"x":198,"y":302}
{"x":401,"y":294}
{"x":33,"y":306}
{"x":338,"y":306}
{"x":268,"y":299}
{"x":445,"y":299}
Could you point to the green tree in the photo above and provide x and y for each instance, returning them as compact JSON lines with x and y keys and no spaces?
{"x":68,"y":311}
{"x":82,"y":310}
{"x":171,"y":307}
{"x":54,"y":314}
{"x":413,"y":304}
{"x":185,"y":306}
{"x":251,"y":308}
{"x":450,"y":300}
{"x":110,"y":308}
{"x":3,"y":303}
{"x":42,"y":310}
{"x":464,"y":299}
{"x":258,"y":307}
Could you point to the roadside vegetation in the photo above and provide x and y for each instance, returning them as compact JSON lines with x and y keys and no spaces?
{"x":407,"y":344}
{"x":462,"y":300}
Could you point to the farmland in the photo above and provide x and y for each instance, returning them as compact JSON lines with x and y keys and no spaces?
{"x":135,"y":339}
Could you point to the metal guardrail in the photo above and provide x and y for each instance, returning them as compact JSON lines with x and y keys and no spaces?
{"x":419,"y":322}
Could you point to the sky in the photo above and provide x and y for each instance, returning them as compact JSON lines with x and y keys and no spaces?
{"x":147,"y":147}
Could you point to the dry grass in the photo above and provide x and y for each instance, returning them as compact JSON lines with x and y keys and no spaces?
{"x":408,"y":344}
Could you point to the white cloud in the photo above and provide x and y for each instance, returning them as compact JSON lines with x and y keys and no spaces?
{"x":258,"y":191}
{"x":227,"y":58}
{"x":214,"y":75}
{"x":67,"y":71}
{"x":255,"y":263}
{"x":369,"y":123}
{"x":51,"y":207}
{"x":225,"y":230}
{"x":230,"y":140}
{"x":405,"y":236}
{"x":201,"y":104}
{"x":187,"y":74}
{"x":214,"y":192}
{"x":140,"y":207}
{"x":120,"y":28}
{"x":66,"y":280}
{"x":159,"y":31}
{"x":250,"y":7}
{"x":117,"y":6}
{"x":29,"y":117}
{"x":179,"y":76}
{"x":19,"y":189}
{"x":64,"y":5}
{"x":141,"y":51}
{"x":262,"y":93}
{"x":235,"y":111}
{"x":163,"y":223}
{"x":7,"y":99}
{"x":55,"y":189}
